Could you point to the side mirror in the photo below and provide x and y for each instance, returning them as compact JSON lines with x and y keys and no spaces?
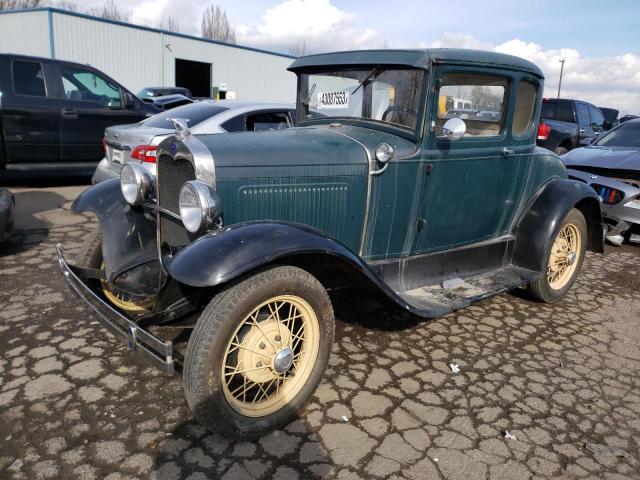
{"x":129,"y":102}
{"x":454,"y":129}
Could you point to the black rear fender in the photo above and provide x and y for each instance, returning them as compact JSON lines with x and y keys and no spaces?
{"x":539,"y":225}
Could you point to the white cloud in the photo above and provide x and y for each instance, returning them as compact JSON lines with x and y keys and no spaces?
{"x":321,"y":25}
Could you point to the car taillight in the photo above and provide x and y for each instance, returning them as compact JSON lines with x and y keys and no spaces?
{"x":145,"y":153}
{"x":543,"y":131}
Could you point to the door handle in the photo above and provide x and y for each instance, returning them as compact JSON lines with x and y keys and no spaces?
{"x":581,"y":130}
{"x":507,"y":152}
{"x":69,"y":113}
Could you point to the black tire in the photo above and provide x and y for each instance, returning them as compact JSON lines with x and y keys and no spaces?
{"x":541,"y":289}
{"x":218,"y":325}
{"x":561,"y":150}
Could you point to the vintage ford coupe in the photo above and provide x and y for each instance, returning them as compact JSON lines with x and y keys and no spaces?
{"x":413,"y":172}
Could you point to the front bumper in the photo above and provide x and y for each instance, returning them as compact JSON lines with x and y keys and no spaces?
{"x":155,"y":350}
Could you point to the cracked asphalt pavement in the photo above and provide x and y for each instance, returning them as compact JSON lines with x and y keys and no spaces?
{"x":563,"y":380}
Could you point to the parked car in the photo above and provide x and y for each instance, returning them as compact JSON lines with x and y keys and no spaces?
{"x":611,"y":165}
{"x":567,"y":124}
{"x":139,"y":142}
{"x":626,"y":118}
{"x":168,"y":102}
{"x":150,"y":92}
{"x":239,"y":235}
{"x":53,"y":113}
{"x":7,"y":207}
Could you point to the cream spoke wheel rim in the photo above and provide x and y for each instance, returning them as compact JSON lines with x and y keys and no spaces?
{"x":270,"y":356}
{"x":563,"y":259}
{"x":124,"y":301}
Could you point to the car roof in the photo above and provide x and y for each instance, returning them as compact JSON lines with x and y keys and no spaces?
{"x":257,"y":104}
{"x":16,"y":56}
{"x":419,"y":58}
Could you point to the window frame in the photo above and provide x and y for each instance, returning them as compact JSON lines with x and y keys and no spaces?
{"x":592,"y":124}
{"x":436,"y":141}
{"x":536,"y":101}
{"x":44,"y":79}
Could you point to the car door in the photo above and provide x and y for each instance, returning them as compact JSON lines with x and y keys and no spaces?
{"x":473,"y":187}
{"x":585,"y":131}
{"x":31,"y":114}
{"x":91,"y":102}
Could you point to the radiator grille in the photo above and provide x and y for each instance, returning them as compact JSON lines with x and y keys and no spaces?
{"x":171,"y":175}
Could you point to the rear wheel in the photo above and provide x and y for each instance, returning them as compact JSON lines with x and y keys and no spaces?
{"x":258,"y":352}
{"x":564,"y":259}
{"x":91,"y":257}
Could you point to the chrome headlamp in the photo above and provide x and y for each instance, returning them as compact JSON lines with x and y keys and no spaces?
{"x":199,"y":205}
{"x":135,"y":183}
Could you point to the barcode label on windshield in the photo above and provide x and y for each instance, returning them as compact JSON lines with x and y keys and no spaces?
{"x":333,"y":99}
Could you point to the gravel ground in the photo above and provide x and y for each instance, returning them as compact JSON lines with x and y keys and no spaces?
{"x":75,"y":404}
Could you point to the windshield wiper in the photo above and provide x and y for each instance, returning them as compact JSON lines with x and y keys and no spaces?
{"x":370,"y":75}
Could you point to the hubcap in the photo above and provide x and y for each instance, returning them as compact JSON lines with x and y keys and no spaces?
{"x":571,"y":258}
{"x":283,"y":360}
{"x":270,"y":356}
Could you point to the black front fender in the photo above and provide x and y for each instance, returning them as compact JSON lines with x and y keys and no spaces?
{"x":540,"y":224}
{"x":128,"y":233}
{"x":224,"y":255}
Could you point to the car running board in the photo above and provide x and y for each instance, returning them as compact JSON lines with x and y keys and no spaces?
{"x":453,"y":294}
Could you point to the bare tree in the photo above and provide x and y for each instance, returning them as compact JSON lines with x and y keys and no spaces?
{"x":384,"y":44}
{"x":110,"y":11}
{"x":299,"y":48}
{"x":170,"y":24}
{"x":64,"y":5}
{"x":215,"y":25}
{"x":19,"y":4}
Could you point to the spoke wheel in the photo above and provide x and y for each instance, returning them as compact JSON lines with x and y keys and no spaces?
{"x":563,"y":259}
{"x":270,"y":355}
{"x":123,"y":300}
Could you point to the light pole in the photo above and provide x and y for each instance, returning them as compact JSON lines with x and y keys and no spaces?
{"x":561,"y":70}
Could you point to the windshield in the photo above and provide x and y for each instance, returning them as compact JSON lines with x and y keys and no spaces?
{"x":383,"y":94}
{"x":626,"y":135}
{"x":194,"y":113}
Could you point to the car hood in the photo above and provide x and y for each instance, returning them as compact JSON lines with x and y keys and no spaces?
{"x":603,"y":157}
{"x":302,"y":147}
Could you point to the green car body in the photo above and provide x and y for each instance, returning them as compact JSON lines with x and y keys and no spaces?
{"x":389,"y":180}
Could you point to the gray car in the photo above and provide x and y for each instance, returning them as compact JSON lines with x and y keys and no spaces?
{"x":138,"y":142}
{"x":611,"y":166}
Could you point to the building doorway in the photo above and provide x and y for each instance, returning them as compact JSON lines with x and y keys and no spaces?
{"x":196,"y":76}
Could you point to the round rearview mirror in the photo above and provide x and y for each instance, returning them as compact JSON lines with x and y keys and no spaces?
{"x":454,"y":129}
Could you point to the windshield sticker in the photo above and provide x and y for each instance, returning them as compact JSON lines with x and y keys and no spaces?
{"x":328,"y":100}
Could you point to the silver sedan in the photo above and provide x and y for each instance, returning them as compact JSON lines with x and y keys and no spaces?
{"x":138,"y":142}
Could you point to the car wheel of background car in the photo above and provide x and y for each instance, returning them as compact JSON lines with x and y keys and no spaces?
{"x":565,"y":259}
{"x":91,"y":257}
{"x":258,"y":352}
{"x":561,"y":151}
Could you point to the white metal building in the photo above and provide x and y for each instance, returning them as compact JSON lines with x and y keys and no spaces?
{"x":139,"y":57}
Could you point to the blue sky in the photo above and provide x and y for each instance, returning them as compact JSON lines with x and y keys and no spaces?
{"x":600,"y":40}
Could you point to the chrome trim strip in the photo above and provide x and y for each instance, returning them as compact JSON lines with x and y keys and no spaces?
{"x":372,"y":167}
{"x":159,"y":352}
{"x":153,"y":206}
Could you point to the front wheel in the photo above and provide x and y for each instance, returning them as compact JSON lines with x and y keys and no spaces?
{"x":258,"y":352}
{"x":564,"y":259}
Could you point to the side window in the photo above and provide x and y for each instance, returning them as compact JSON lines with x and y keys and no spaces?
{"x":582,"y":111}
{"x":525,"y":104}
{"x":87,"y":86}
{"x":597,"y":119}
{"x":235,"y":124}
{"x":28,"y":79}
{"x":476,"y":99}
{"x":267,"y":121}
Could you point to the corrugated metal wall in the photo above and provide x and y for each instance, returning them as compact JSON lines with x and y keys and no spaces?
{"x":26,"y":33}
{"x":139,"y":58}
